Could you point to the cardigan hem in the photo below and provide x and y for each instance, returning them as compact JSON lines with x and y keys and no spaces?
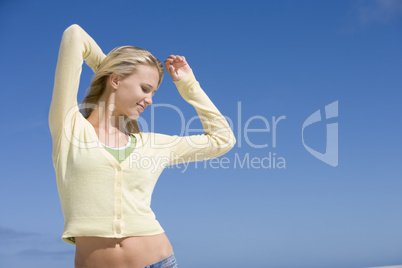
{"x":97,"y":226}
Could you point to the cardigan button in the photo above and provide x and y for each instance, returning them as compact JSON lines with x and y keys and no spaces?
{"x":118,"y":168}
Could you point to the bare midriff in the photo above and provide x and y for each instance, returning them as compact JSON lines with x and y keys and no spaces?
{"x":127,"y":252}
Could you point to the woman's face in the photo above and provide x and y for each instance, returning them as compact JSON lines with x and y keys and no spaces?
{"x":135,"y":92}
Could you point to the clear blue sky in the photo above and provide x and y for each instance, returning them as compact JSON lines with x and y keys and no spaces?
{"x":272,"y":59}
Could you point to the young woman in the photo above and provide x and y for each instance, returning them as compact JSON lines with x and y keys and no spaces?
{"x":106,"y":168}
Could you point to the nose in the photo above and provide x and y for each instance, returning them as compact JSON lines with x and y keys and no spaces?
{"x":148,"y":100}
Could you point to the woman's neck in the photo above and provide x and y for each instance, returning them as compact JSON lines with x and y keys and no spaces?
{"x":105,"y":119}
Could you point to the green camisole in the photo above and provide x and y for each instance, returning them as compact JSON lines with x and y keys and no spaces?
{"x":123,"y":152}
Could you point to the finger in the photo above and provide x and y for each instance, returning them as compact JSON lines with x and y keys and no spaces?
{"x":168,"y":61}
{"x":170,"y":69}
{"x":173,"y":57}
{"x":178,"y":57}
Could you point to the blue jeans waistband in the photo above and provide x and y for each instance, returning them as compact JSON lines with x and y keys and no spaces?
{"x":168,"y":262}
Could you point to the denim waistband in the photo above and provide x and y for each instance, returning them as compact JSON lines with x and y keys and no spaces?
{"x":168,"y":262}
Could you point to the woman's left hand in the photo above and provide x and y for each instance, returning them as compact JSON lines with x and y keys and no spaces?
{"x":177,"y":67}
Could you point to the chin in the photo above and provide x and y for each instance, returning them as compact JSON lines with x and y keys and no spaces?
{"x":133,"y":116}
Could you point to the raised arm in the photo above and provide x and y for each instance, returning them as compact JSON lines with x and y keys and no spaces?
{"x":76,"y":46}
{"x":218,"y":138}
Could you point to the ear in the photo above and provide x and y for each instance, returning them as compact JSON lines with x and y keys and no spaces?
{"x":114,"y":80}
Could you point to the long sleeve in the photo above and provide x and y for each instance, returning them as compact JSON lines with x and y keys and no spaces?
{"x":218,"y":138}
{"x":100,"y":196}
{"x":76,"y":46}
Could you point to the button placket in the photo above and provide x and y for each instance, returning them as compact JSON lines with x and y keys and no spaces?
{"x":118,"y":201}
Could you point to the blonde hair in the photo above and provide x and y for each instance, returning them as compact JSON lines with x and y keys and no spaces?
{"x":122,"y":61}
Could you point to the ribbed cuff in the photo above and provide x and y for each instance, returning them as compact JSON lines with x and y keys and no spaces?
{"x":186,"y":82}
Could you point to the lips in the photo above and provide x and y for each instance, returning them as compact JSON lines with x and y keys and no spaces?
{"x":142,"y":107}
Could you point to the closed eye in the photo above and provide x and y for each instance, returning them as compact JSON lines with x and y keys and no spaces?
{"x":146,"y":90}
